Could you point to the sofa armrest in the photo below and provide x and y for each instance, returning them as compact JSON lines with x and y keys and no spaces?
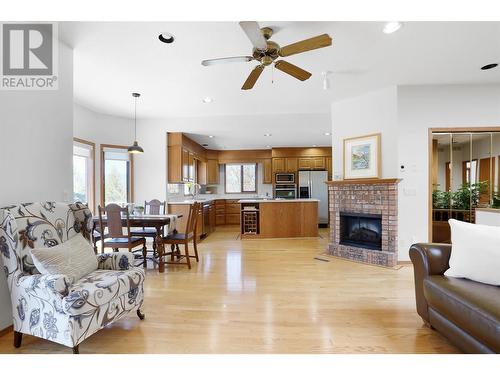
{"x":58,"y":285}
{"x":428,"y":259}
{"x":119,"y":261}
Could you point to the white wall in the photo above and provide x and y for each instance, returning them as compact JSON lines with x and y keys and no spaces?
{"x":421,"y":108}
{"x":36,"y":151}
{"x":375,"y":112}
{"x":403,"y":115}
{"x":150,"y":168}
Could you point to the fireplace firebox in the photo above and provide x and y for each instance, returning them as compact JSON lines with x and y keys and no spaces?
{"x":361,"y":230}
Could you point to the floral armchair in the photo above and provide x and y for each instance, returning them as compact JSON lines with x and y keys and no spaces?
{"x":49,"y":306}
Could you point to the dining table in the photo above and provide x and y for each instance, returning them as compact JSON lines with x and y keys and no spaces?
{"x":145,"y":221}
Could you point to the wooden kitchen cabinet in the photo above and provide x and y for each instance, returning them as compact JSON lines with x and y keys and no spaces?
{"x":319,"y":163}
{"x":305,"y":163}
{"x":292,"y":165}
{"x":185,"y":165}
{"x":232,"y":211}
{"x":220,"y":212}
{"x":212,"y":172}
{"x":329,"y":168}
{"x":279,"y":165}
{"x":312,"y":163}
{"x":201,"y":172}
{"x":212,"y":217}
{"x":191,"y":167}
{"x":268,"y":171}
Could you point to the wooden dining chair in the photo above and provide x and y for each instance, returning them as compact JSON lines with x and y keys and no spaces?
{"x":115,"y":238}
{"x":153,"y":207}
{"x":175,"y":239}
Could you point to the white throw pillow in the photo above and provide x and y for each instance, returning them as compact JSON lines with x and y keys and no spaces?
{"x":475,"y":252}
{"x":74,"y":258}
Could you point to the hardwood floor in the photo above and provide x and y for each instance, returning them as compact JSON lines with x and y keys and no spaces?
{"x":266,"y":296}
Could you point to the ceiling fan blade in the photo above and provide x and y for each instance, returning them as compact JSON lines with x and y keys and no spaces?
{"x":252,"y":29}
{"x":224,"y":60}
{"x":293,"y":70}
{"x":253,"y":77}
{"x":316,"y":42}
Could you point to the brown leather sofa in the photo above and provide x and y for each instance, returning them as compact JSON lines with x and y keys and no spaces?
{"x":465,"y":311}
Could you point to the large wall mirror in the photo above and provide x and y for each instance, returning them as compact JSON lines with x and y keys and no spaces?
{"x":464,"y":177}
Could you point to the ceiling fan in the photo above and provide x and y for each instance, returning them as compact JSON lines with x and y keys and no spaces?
{"x":267,"y":52}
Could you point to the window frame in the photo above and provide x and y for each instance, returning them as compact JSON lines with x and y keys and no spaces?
{"x":130,"y":198}
{"x":92,"y":195}
{"x":256,"y":165}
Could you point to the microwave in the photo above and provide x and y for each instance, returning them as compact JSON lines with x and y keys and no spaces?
{"x":285,"y":178}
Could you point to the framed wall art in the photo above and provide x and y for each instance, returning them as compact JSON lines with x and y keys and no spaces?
{"x":362,"y":157}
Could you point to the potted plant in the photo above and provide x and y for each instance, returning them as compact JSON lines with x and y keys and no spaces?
{"x":138,"y":210}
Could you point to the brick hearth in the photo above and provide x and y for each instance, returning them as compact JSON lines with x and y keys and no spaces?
{"x":377,"y":196}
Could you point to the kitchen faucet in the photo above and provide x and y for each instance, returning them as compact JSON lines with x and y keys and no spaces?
{"x":195,"y":188}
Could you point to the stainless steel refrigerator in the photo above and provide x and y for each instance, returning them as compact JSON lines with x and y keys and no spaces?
{"x":312,"y":185}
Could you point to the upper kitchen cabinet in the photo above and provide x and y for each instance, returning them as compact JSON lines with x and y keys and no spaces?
{"x":291,"y":165}
{"x":268,"y":171}
{"x":212,"y":172}
{"x":293,"y":159}
{"x":279,"y":165}
{"x":201,"y":172}
{"x":312,"y":163}
{"x":183,"y":156}
{"x":185,"y":165}
{"x":329,"y":167}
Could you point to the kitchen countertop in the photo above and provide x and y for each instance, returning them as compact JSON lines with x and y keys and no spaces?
{"x":277,"y":200}
{"x":207,"y":198}
{"x":244,"y":200}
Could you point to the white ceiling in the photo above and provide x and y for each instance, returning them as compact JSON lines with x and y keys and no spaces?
{"x":111,"y":60}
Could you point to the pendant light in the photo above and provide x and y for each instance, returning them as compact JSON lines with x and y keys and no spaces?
{"x":135,"y":148}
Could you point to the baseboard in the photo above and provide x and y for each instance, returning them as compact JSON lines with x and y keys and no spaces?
{"x":7,"y":330}
{"x":404,"y":262}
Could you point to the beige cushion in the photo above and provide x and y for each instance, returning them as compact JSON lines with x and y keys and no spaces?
{"x":74,"y":258}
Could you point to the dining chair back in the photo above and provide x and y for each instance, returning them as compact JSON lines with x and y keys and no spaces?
{"x":192,"y":219}
{"x":113,"y":220}
{"x":175,"y":239}
{"x":154,"y":207}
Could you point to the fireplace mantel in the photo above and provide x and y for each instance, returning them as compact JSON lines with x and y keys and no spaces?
{"x":371,"y":197}
{"x":366,"y":181}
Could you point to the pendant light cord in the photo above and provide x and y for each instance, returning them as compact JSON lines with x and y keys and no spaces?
{"x":135,"y":120}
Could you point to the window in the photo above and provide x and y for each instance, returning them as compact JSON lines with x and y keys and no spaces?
{"x":83,"y":172}
{"x":117,"y":179}
{"x":241,"y":178}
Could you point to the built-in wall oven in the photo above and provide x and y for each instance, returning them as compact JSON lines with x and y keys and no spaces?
{"x":285,"y":178}
{"x":285,"y":191}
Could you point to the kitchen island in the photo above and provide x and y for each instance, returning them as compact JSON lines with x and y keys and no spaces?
{"x":276,"y":218}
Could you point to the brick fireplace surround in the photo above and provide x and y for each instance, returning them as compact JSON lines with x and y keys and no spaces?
{"x":373,"y":196}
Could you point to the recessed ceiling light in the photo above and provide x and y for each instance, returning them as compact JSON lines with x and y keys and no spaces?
{"x":166,"y":38}
{"x":489,"y":66}
{"x":392,"y":27}
{"x":210,"y":136}
{"x":208,"y":99}
{"x":267,"y":135}
{"x":327,"y":134}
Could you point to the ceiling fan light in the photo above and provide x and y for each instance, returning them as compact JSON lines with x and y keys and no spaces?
{"x":392,"y":27}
